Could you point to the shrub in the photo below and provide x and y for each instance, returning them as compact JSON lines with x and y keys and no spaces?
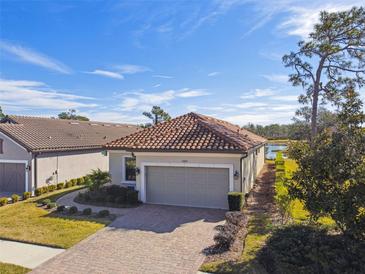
{"x":235,"y":201}
{"x":3,"y":201}
{"x":73,"y":210}
{"x":86,"y":197}
{"x":120,"y":200}
{"x":110,"y":199}
{"x":103,"y":213}
{"x":68,"y":184}
{"x":46,"y":201}
{"x":73,"y":182}
{"x":80,"y":196}
{"x":225,"y":236}
{"x":305,"y":249}
{"x":51,"y":188}
{"x":15,"y":198}
{"x":26,"y":195}
{"x":87,"y":211}
{"x":38,"y":191}
{"x":80,"y":181}
{"x":51,"y":205}
{"x":132,"y":196}
{"x":116,"y":190}
{"x":60,"y":185}
{"x":98,"y":178}
{"x":61,"y":208}
{"x":44,"y":189}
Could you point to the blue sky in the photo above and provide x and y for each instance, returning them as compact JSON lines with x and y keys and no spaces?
{"x":112,"y":60}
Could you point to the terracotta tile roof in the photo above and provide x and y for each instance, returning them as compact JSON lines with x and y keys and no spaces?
{"x":191,"y":132}
{"x":47,"y":134}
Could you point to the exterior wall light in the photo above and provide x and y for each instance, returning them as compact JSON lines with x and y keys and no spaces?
{"x":236,"y":175}
{"x":138,"y":171}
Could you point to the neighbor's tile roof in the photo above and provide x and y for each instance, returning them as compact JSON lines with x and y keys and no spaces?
{"x":48,"y":134}
{"x":191,"y":132}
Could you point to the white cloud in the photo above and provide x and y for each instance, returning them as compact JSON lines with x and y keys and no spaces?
{"x":162,"y":76}
{"x":214,"y":73}
{"x":277,"y":78}
{"x":260,"y":118}
{"x":115,"y":116}
{"x":106,"y":73}
{"x":30,"y":56}
{"x":186,"y":93}
{"x":37,"y":95}
{"x":156,"y":85}
{"x":286,"y":97}
{"x":266,"y":92}
{"x":131,"y":69}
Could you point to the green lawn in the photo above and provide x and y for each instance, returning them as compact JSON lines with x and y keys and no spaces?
{"x":12,"y":269}
{"x":24,"y":221}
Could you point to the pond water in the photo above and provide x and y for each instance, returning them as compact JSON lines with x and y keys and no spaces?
{"x":272,"y":149}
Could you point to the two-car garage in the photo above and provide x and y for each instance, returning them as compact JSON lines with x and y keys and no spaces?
{"x":195,"y":186}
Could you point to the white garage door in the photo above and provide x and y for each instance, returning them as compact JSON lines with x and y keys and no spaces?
{"x":12,"y":177}
{"x":187,"y":186}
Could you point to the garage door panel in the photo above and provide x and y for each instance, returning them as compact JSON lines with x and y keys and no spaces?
{"x":12,"y":177}
{"x":188,"y":186}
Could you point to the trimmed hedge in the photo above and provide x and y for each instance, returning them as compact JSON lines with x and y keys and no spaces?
{"x":73,"y":210}
{"x":15,"y":198}
{"x":132,"y":196}
{"x":3,"y":201}
{"x":61,"y":208}
{"x":26,"y":195}
{"x":87,"y":211}
{"x":68,"y":184}
{"x":51,"y":188}
{"x":103,"y":213}
{"x":60,"y":185}
{"x":38,"y":191}
{"x":235,"y":201}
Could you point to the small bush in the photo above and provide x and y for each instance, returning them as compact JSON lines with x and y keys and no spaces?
{"x":225,"y":236}
{"x":87,"y":211}
{"x":60,"y":185}
{"x":80,"y":181}
{"x":3,"y":201}
{"x":51,"y":205}
{"x":38,"y":191}
{"x":103,"y":213}
{"x":110,"y":199}
{"x":61,"y":208}
{"x":51,"y":188}
{"x":68,"y":184}
{"x":235,"y":201}
{"x":26,"y":195}
{"x":86,"y":197}
{"x":73,"y":182}
{"x":15,"y":198}
{"x":44,"y":189}
{"x":46,"y":201}
{"x":120,"y":200}
{"x":132,"y":196}
{"x":73,"y":210}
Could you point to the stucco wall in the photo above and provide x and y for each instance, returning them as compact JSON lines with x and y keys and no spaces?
{"x":14,"y":152}
{"x":116,"y":166}
{"x":58,"y":167}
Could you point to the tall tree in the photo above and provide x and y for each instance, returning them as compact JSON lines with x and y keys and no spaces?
{"x":332,"y":57}
{"x":2,"y":115}
{"x":71,"y":115}
{"x":157,"y":115}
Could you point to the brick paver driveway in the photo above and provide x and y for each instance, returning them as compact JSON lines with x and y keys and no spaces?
{"x":148,"y":239}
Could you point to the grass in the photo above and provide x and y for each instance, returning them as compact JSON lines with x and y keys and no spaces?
{"x":12,"y":269}
{"x":26,"y":222}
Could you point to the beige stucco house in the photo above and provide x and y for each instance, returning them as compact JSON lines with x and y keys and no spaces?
{"x":38,"y":151}
{"x":192,"y":160}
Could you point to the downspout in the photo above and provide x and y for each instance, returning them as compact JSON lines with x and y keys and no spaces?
{"x":242,"y":179}
{"x":35,"y":171}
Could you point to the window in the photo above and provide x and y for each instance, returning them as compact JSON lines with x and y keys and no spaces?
{"x":1,"y":146}
{"x":130,"y":168}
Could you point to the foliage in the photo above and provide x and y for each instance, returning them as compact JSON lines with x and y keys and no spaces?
{"x":51,"y":205}
{"x":43,"y":227}
{"x":6,"y":268}
{"x":103,"y":213}
{"x":26,"y":195}
{"x":38,"y":191}
{"x":46,"y":201}
{"x":332,"y":57}
{"x":157,"y":115}
{"x":61,"y":208}
{"x":235,"y":201}
{"x":3,"y":201}
{"x":2,"y":115}
{"x":305,"y":249}
{"x":330,"y":179}
{"x":15,"y":198}
{"x":68,"y":184}
{"x":132,"y":196}
{"x":73,"y":210}
{"x":51,"y":188}
{"x":60,"y":185}
{"x":87,"y":211}
{"x":97,"y":178}
{"x":80,"y":181}
{"x":71,"y":115}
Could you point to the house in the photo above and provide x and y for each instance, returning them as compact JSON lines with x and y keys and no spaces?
{"x":38,"y":151}
{"x":192,"y":160}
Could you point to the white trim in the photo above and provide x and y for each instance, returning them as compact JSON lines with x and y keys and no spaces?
{"x":11,"y":139}
{"x":124,"y":181}
{"x":19,"y":162}
{"x":144,"y":164}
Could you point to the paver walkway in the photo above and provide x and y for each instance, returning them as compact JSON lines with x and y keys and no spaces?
{"x":148,"y":239}
{"x":27,"y":255}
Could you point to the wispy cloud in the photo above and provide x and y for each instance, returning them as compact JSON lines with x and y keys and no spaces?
{"x":33,"y":57}
{"x":131,"y":69}
{"x":106,"y":73}
{"x":162,"y":76}
{"x":37,"y":95}
{"x":277,"y":78}
{"x":258,"y":93}
{"x":156,"y":85}
{"x":141,"y":100}
{"x":214,"y":73}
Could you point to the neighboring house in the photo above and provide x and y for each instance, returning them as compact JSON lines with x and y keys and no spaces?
{"x":192,"y":160}
{"x":38,"y":151}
